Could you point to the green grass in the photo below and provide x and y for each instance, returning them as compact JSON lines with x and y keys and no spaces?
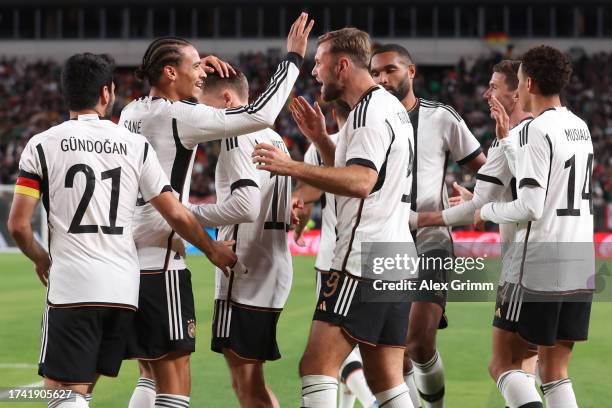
{"x":465,"y":345}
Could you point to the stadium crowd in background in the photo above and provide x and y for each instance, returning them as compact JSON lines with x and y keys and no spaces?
{"x":31,"y":103}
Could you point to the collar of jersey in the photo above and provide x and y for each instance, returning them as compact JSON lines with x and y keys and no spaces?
{"x":88,"y":116}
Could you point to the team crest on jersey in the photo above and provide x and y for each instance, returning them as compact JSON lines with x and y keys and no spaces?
{"x":191,"y":328}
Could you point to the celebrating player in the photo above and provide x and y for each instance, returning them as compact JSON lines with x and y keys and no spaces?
{"x":438,"y":132}
{"x":353,"y":384}
{"x":255,"y":210}
{"x":88,"y":173}
{"x":546,"y":298}
{"x":165,"y":323}
{"x":369,"y":173}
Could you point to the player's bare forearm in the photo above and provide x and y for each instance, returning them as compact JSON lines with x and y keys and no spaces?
{"x":307,"y":193}
{"x":352,"y":181}
{"x":476,"y":163}
{"x":20,"y":227}
{"x":327,"y":150}
{"x":430,"y":219}
{"x":182,"y":221}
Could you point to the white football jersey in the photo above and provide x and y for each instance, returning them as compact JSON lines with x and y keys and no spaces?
{"x":327,"y":242}
{"x":90,"y":172}
{"x":378,"y":135}
{"x":495,"y":181}
{"x":556,"y":153}
{"x":439,"y":132}
{"x":260,"y":245}
{"x":174,"y":130}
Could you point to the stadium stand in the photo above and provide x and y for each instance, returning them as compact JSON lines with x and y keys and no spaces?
{"x":31,"y":103}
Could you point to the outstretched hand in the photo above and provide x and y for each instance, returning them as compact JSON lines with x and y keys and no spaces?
{"x":502,"y":121}
{"x":463,"y":195}
{"x":272,"y":159}
{"x":310,"y":119}
{"x":297,"y":39}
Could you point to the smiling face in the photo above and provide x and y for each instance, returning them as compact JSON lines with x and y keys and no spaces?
{"x":393,"y":72}
{"x":498,"y":87}
{"x":325,"y":72}
{"x":189,"y":75}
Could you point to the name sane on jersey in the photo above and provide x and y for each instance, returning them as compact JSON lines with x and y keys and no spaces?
{"x":79,"y":145}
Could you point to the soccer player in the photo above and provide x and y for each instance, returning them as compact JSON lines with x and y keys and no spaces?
{"x":546,"y":299}
{"x":88,"y":173}
{"x":254,"y":209}
{"x":369,"y":173}
{"x":353,"y":384}
{"x":166,"y":322}
{"x":495,"y":180}
{"x":439,"y":132}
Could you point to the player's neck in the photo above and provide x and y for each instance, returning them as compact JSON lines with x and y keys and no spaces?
{"x":541,"y":103}
{"x":168,"y":94}
{"x":518,"y":115}
{"x":410,"y":101}
{"x":356,"y":86}
{"x":76,"y":114}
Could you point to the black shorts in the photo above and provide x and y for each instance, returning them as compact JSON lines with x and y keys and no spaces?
{"x":434,"y":272}
{"x":542,"y":322}
{"x":80,"y":342}
{"x":249,"y":332}
{"x":165,"y":320}
{"x":362,"y":311}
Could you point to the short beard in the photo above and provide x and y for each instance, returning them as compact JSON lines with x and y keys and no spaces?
{"x":331,"y":92}
{"x":401,"y":91}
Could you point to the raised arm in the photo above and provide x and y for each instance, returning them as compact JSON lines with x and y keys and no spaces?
{"x":201,"y":123}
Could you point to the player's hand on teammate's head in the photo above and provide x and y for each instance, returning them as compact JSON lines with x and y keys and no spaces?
{"x":310,"y":119}
{"x":502,"y":121}
{"x":297,"y":39}
{"x":213,"y":64}
{"x":222,"y":256}
{"x":42,"y":269}
{"x":272,"y":159}
{"x":463,"y":195}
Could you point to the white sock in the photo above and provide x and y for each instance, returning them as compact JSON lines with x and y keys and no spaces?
{"x":396,"y":397}
{"x":559,"y":394}
{"x":351,"y":374}
{"x":144,"y":394}
{"x":429,"y":379}
{"x":88,"y":398}
{"x":319,"y":391}
{"x":74,"y":401}
{"x":414,"y":393}
{"x":171,"y":401}
{"x":346,"y":397}
{"x":518,"y":389}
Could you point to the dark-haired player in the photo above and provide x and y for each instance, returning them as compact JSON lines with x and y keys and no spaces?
{"x":253,"y":209}
{"x":174,"y":125}
{"x":439,"y":133}
{"x":88,"y":173}
{"x":546,"y":298}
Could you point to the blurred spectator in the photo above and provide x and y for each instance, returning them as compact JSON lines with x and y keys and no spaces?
{"x":31,"y":103}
